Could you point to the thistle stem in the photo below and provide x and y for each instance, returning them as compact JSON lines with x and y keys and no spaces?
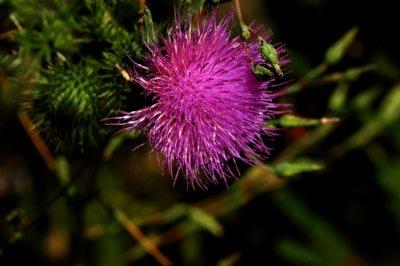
{"x":142,"y":4}
{"x":16,"y":22}
{"x":135,"y":232}
{"x":37,"y":141}
{"x":238,"y":11}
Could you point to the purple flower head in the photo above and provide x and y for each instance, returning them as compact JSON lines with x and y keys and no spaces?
{"x":209,"y":109}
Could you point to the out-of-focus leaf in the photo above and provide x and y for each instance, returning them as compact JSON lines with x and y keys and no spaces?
{"x":62,"y":170}
{"x":231,"y":260}
{"x":16,"y":218}
{"x":364,"y":99}
{"x":115,"y":143}
{"x":217,"y":2}
{"x":349,"y":75}
{"x":109,"y":251}
{"x":176,"y":212}
{"x":291,"y":121}
{"x":64,"y":175}
{"x":338,"y":97}
{"x":385,"y":66}
{"x":326,"y":240}
{"x":191,"y":6}
{"x":190,"y":255}
{"x":299,"y":254}
{"x":196,"y":215}
{"x":388,"y":179}
{"x":390,"y":106}
{"x":206,"y":221}
{"x":335,"y":53}
{"x":289,"y":169}
{"x":388,"y":113}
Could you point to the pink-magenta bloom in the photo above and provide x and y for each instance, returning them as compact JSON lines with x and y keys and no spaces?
{"x":208,"y":107}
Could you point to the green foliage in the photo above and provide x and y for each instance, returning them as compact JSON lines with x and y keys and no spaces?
{"x":196,"y":216}
{"x":269,"y":54}
{"x":290,"y":169}
{"x":336,"y":52}
{"x":292,"y":121}
{"x":331,"y":180}
{"x":327,"y":243}
{"x":79,"y":48}
{"x":148,"y":27}
{"x":49,"y":31}
{"x":68,"y":105}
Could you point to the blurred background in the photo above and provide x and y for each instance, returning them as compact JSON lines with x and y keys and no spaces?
{"x":71,"y":193}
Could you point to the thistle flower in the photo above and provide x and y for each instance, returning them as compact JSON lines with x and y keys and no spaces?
{"x":209,"y":109}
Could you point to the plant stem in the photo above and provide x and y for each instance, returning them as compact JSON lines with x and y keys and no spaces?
{"x":37,"y":141}
{"x":135,"y":232}
{"x":238,"y":11}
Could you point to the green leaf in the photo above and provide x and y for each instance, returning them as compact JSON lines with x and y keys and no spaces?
{"x":206,"y":221}
{"x":289,"y":169}
{"x":323,"y":237}
{"x":62,"y":170}
{"x":298,"y":253}
{"x":291,"y":121}
{"x":338,"y":97}
{"x":388,"y":113}
{"x":365,"y":99}
{"x":148,"y":27}
{"x":230,"y":260}
{"x":196,"y":215}
{"x":349,"y":75}
{"x":116,"y":142}
{"x":388,"y":179}
{"x":336,"y":52}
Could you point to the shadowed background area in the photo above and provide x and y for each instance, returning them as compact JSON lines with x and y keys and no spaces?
{"x":328,"y":195}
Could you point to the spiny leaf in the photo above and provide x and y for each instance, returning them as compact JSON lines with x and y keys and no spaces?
{"x":68,"y":104}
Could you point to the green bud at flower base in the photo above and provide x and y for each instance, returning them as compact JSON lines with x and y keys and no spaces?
{"x":261,"y":72}
{"x":246,"y":34}
{"x":269,"y":54}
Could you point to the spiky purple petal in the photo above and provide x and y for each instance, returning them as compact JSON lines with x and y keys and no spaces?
{"x":209,"y":109}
